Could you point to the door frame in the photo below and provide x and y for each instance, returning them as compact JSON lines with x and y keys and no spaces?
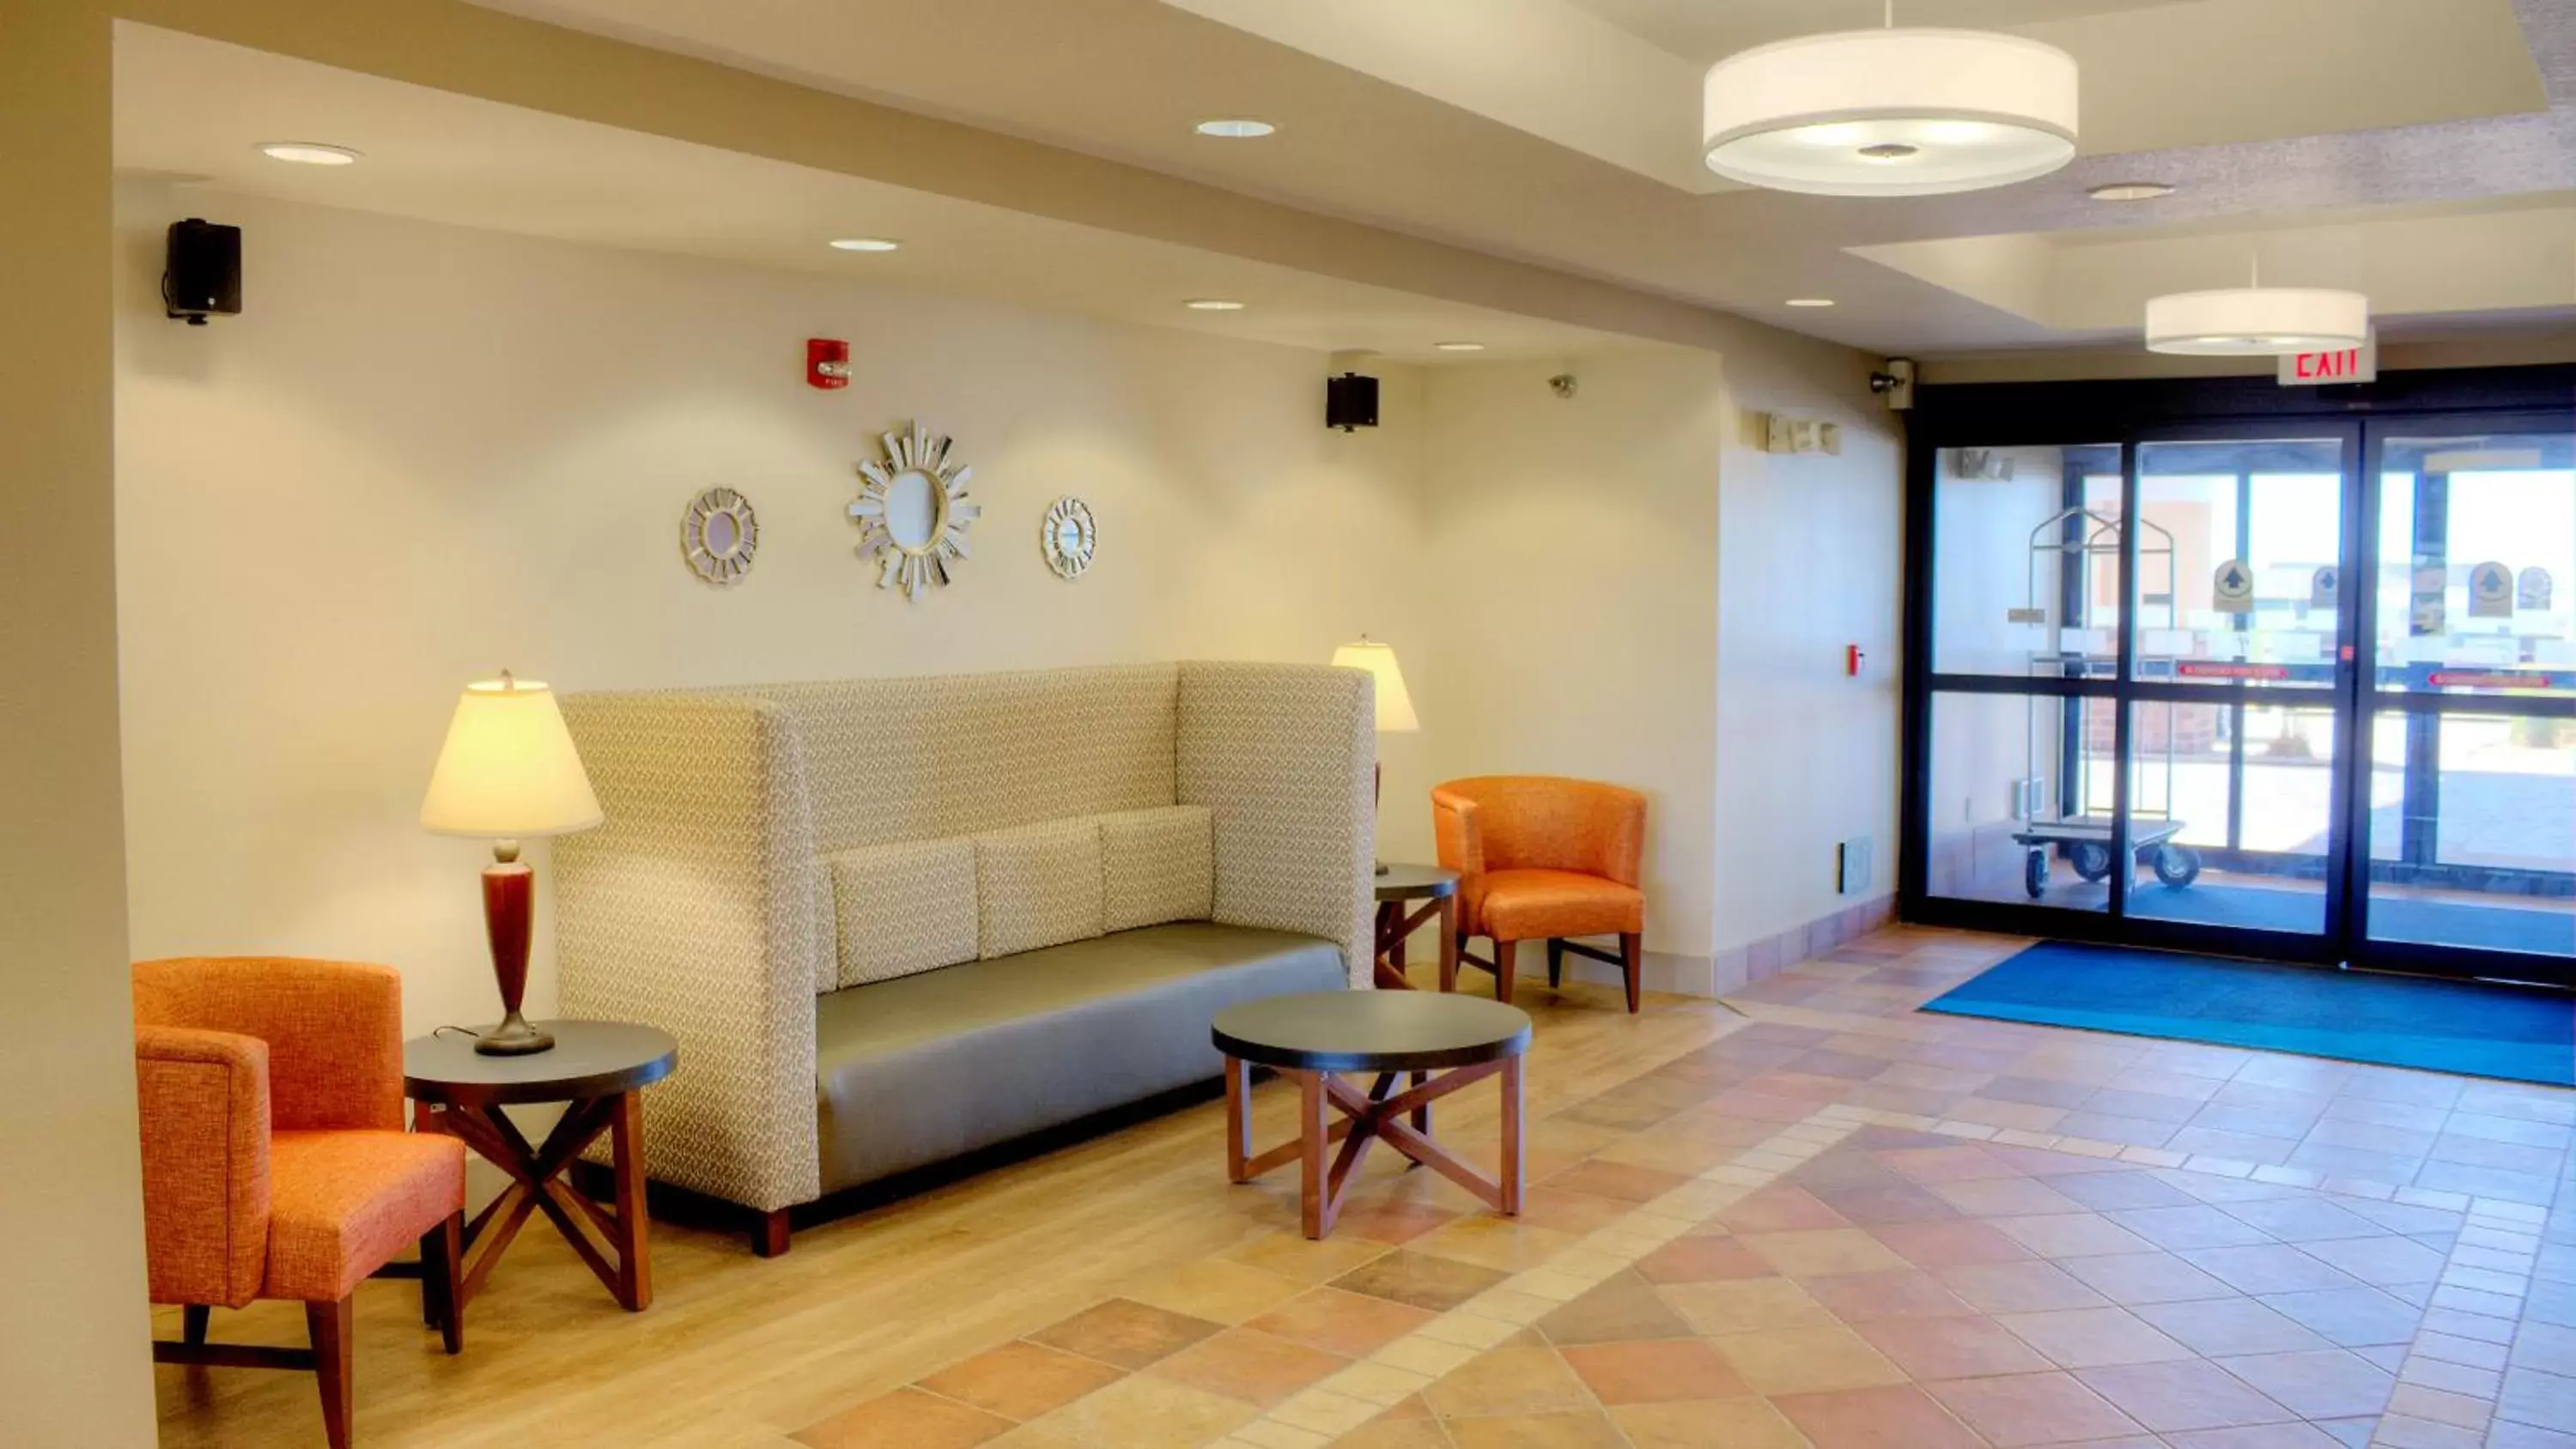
{"x":2132,"y":413}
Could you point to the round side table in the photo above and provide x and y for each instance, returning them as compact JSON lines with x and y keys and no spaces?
{"x":1309,"y":1038}
{"x":1437,"y":887}
{"x":598,"y":1069}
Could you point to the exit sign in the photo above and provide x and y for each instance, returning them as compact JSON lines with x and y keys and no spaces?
{"x":2352,"y":364}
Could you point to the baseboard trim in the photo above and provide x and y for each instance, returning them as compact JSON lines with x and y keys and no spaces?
{"x":1739,"y":966}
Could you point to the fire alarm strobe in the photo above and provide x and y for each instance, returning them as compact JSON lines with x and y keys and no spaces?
{"x":827,"y":362}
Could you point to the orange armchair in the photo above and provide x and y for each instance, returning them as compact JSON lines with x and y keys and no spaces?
{"x":1541,"y":858}
{"x":275,"y":1164}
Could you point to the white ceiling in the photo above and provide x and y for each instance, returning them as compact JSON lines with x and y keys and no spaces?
{"x":1563,"y":132}
{"x":192,"y":113}
{"x":1560,"y":133}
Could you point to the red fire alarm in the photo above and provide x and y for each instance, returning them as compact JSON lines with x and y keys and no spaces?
{"x":827,"y":362}
{"x":1852,"y":660}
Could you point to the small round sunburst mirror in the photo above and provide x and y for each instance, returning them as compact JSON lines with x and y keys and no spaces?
{"x":912,"y":511}
{"x":1068,"y":536}
{"x":718,"y":536}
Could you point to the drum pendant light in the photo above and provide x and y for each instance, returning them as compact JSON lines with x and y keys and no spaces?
{"x":1890,"y":112}
{"x":2257,"y":321}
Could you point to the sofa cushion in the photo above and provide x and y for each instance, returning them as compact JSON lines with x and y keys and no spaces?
{"x":1037,"y":886}
{"x":1156,"y":866}
{"x":902,"y":908}
{"x":915,"y":1071}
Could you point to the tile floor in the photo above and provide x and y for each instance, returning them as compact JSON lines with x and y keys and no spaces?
{"x":1847,"y":1225}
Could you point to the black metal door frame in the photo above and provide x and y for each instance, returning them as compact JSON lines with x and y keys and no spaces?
{"x":2359,"y":418}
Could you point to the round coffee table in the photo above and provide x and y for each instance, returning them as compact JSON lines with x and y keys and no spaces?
{"x":1398,"y":884}
{"x":1389,"y":1033}
{"x":599,"y":1070}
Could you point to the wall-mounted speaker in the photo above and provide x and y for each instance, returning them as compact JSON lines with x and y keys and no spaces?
{"x":1350,"y":402}
{"x":201,"y":276}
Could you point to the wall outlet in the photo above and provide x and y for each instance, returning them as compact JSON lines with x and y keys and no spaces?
{"x":1851,"y":866}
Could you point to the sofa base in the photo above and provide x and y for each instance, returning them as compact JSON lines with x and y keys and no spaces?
{"x":769,"y":1233}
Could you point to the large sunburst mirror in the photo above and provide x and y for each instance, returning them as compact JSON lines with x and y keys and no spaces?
{"x":912,"y":510}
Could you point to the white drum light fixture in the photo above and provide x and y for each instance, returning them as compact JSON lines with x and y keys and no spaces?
{"x":1890,"y":112}
{"x":2257,"y":321}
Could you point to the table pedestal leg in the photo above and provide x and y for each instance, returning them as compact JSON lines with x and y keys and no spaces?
{"x":1400,"y":1119}
{"x":614,"y":1241}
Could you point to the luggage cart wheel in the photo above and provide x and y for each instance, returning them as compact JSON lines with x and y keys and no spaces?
{"x":2092,"y":862}
{"x":2034,"y":872}
{"x":2177,"y":866}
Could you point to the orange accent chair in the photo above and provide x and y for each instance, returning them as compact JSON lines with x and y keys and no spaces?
{"x":1543,"y":858}
{"x":275,"y":1164}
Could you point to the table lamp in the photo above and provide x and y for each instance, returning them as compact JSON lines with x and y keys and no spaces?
{"x":1394,"y":703}
{"x":508,"y":771}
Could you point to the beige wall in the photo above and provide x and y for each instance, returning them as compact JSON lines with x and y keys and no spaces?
{"x":73,"y":1368}
{"x":1810,"y":560}
{"x":1572,"y":569}
{"x":340,"y":505}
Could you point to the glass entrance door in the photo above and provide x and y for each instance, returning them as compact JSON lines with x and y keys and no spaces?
{"x":2468,"y":805}
{"x":2302,"y":690}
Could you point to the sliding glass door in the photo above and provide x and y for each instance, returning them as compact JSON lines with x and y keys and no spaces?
{"x":2300,"y":688}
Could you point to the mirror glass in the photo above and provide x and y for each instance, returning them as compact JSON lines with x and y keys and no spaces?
{"x":721,"y":534}
{"x":912,"y":510}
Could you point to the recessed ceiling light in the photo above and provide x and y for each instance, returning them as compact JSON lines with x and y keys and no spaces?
{"x":2129,"y":191}
{"x":865,"y":244}
{"x":1236,"y":128}
{"x":1212,"y":304}
{"x":1459,"y":346}
{"x":1811,"y":301}
{"x":309,"y":153}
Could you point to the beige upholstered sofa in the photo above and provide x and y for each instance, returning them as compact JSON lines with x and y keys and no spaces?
{"x":896,"y":920}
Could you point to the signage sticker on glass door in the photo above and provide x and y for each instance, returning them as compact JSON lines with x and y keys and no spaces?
{"x":2234,"y":586}
{"x":2323,"y":588}
{"x":2533,"y":589}
{"x":2491,"y":592}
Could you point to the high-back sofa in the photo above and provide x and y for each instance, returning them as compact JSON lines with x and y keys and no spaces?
{"x":895,"y":920}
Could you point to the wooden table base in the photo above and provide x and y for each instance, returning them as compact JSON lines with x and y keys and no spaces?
{"x":1382,"y":1114}
{"x":1395,"y":926}
{"x":614,"y":1240}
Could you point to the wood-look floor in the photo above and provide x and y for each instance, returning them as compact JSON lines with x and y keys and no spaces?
{"x":737,"y":1352}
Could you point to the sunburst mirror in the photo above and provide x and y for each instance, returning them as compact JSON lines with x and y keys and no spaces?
{"x":912,"y":510}
{"x":1068,"y":536}
{"x":718,"y":536}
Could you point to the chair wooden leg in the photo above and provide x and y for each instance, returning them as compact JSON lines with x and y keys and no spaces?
{"x":330,"y":1325}
{"x":769,"y":1235}
{"x":1506,"y":963}
{"x":1555,"y":963}
{"x":442,"y":1296}
{"x":192,"y":1322}
{"x":1632,"y":960}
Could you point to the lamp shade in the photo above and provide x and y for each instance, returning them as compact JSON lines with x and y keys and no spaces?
{"x":2257,"y":322}
{"x":508,"y":769}
{"x":1394,"y":703}
{"x":1891,"y":112}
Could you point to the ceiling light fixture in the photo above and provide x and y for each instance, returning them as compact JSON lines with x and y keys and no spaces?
{"x":1890,"y":112}
{"x":1811,"y":301}
{"x":308,"y":153}
{"x":865,"y":244}
{"x":2129,"y":191}
{"x":1236,"y":128}
{"x":2257,"y":321}
{"x":1459,"y":346}
{"x":1212,"y":304}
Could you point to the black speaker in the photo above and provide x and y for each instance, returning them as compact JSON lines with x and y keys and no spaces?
{"x":1350,"y":401}
{"x":201,"y":277}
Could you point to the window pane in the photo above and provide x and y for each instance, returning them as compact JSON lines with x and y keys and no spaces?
{"x":2016,"y":787}
{"x":2026,"y":566}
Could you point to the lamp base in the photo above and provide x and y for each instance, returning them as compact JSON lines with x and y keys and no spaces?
{"x":1381,"y":867}
{"x":513,"y":1038}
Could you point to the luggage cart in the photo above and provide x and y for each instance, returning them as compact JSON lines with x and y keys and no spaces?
{"x":2064,"y":553}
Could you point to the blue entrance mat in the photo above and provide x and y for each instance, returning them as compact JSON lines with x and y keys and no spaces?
{"x":2517,"y":1034}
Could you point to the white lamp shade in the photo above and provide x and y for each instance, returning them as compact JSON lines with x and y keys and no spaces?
{"x":1394,"y":703}
{"x":509,"y":769}
{"x":2257,"y":322}
{"x":1890,"y":112}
